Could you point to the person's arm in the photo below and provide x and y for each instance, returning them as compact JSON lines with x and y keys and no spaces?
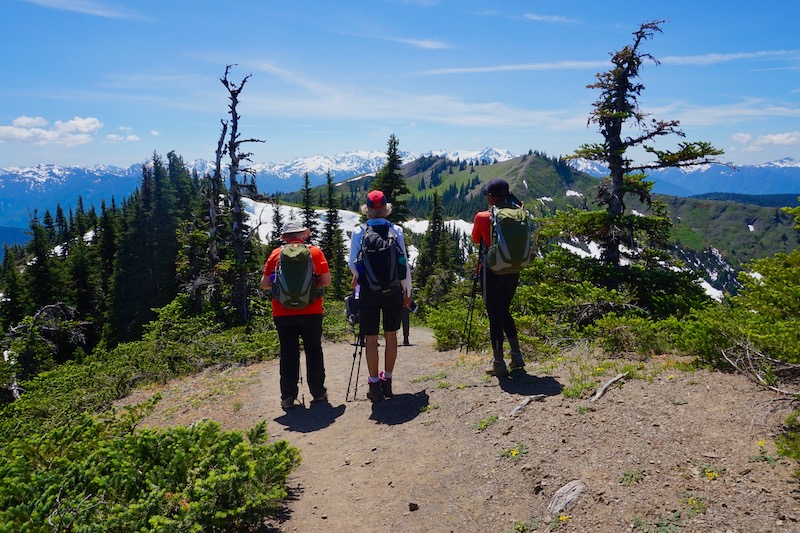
{"x":405,"y":283}
{"x":480,"y":229}
{"x":355,"y":246}
{"x":269,"y":268}
{"x":321,"y":266}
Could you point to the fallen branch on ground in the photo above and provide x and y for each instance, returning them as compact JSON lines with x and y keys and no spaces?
{"x":525,"y":402}
{"x":602,"y":390}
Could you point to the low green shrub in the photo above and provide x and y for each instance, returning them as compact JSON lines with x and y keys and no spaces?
{"x":448,"y":325}
{"x":628,"y":334}
{"x":98,"y":474}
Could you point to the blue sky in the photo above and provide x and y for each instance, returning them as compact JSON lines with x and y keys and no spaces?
{"x":112,"y":81}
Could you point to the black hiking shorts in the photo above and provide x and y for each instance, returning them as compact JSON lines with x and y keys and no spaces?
{"x":372,"y":305}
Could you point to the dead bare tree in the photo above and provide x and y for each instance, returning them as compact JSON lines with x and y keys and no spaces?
{"x":241,"y":234}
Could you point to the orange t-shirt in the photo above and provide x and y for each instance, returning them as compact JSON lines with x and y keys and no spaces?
{"x":320,"y":266}
{"x":482,"y":228}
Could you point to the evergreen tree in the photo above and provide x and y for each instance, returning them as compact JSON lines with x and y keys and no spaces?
{"x":390,"y":180}
{"x":618,"y":108}
{"x":45,"y":279}
{"x":309,"y":215}
{"x":332,"y":245}
{"x":277,"y":222}
{"x":15,"y":303}
{"x":427,"y":256}
{"x":163,"y":218}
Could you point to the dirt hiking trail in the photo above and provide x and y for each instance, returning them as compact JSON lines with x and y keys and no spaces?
{"x":456,"y":451}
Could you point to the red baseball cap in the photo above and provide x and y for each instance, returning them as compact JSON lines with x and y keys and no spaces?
{"x":376,"y":199}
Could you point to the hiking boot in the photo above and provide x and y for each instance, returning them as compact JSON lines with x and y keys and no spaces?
{"x":405,"y":342}
{"x":386,"y":387}
{"x":375,"y":392}
{"x":497,"y":369}
{"x":287,"y":403}
{"x":322,"y":398}
{"x":517,"y":362}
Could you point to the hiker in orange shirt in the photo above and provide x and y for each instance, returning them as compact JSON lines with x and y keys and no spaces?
{"x":295,"y":324}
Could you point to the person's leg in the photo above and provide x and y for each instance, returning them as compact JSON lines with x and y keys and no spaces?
{"x":390,"y":352}
{"x":495,"y":301}
{"x":369,"y":322}
{"x":311,"y":331}
{"x":509,"y":287}
{"x":372,"y":355}
{"x":288,"y":336}
{"x":406,"y":325}
{"x":392,"y":316}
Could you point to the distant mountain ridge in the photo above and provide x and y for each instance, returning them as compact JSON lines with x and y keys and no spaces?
{"x":775,"y":177}
{"x":42,"y":187}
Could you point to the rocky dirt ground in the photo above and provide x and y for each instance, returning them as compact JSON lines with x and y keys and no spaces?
{"x":456,"y":451}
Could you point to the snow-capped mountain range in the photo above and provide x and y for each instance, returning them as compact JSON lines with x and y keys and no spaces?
{"x":43,"y":187}
{"x":775,"y":177}
{"x":24,"y":190}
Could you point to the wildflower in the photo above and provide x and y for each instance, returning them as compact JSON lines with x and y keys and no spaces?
{"x":670,"y":377}
{"x":564,"y":518}
{"x":761,"y":443}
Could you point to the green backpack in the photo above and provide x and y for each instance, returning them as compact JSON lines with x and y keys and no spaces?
{"x":510,"y":250}
{"x":295,"y":285}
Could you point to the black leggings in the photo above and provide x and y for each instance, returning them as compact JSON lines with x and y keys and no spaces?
{"x":498,"y":291}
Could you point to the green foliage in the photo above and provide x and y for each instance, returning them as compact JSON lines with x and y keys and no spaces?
{"x":484,"y":423}
{"x":788,"y":442}
{"x":448,"y":325}
{"x":762,"y":317}
{"x":628,"y":334}
{"x":629,"y":477}
{"x":795,"y":212}
{"x":99,"y":474}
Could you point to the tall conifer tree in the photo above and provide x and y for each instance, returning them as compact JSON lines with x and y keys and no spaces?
{"x":390,"y":180}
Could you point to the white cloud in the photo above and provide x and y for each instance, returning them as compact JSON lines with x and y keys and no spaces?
{"x":32,"y":130}
{"x":790,"y":138}
{"x":155,"y":133}
{"x":87,"y":7}
{"x":557,"y":65}
{"x":29,"y":122}
{"x":757,"y":144}
{"x":713,"y":59}
{"x":78,"y":125}
{"x":427,"y":44}
{"x":549,"y":18}
{"x":114,"y":138}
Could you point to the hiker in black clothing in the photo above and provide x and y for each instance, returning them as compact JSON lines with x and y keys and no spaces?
{"x":498,"y":289}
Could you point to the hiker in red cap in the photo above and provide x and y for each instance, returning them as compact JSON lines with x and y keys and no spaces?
{"x":380,"y":268}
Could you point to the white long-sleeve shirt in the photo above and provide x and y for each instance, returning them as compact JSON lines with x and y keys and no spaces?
{"x":355,"y":247}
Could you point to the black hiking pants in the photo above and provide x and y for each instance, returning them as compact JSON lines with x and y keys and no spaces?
{"x":498,"y":291}
{"x":290,"y":330}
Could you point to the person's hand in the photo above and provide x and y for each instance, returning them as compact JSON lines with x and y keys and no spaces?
{"x":406,"y":301}
{"x":354,"y":283}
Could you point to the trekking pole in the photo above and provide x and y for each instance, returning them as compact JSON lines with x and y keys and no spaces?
{"x":467,"y":333}
{"x":359,"y":341}
{"x":302,"y":389}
